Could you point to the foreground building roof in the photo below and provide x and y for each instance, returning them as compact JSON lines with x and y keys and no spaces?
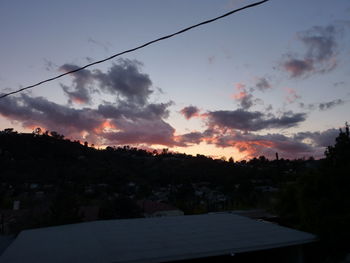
{"x":150,"y":239}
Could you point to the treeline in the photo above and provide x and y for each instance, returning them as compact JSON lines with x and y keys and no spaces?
{"x":49,"y":157}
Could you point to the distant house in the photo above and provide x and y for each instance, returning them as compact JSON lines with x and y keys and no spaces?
{"x":156,"y":209}
{"x":209,"y":238}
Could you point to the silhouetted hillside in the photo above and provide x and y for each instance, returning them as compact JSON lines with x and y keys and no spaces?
{"x":50,"y":157}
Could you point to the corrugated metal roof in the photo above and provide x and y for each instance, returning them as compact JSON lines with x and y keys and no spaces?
{"x":150,"y":239}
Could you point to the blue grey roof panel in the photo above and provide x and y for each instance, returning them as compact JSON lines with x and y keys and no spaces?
{"x":150,"y":239}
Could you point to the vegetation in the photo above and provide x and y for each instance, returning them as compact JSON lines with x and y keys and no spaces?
{"x":319,"y":201}
{"x":54,"y":177}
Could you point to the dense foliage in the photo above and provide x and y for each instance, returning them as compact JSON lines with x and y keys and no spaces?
{"x":319,"y":201}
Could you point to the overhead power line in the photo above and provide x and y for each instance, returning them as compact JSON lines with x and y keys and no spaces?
{"x":133,"y":49}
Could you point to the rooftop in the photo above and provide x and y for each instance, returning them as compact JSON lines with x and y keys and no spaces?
{"x":150,"y":239}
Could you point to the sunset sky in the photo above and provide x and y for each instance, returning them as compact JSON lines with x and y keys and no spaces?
{"x":272,"y":78}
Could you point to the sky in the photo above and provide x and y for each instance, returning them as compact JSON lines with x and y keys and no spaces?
{"x":272,"y":78}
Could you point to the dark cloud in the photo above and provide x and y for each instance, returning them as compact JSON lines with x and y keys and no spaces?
{"x":141,"y":131}
{"x":81,"y":89}
{"x":269,"y":108}
{"x":319,"y":139}
{"x":98,"y":43}
{"x":211,"y":59}
{"x":253,"y":121}
{"x":323,"y":106}
{"x":189,"y":112}
{"x":252,"y":145}
{"x":263,"y":84}
{"x":299,"y":145}
{"x":130,"y":119}
{"x":303,"y":144}
{"x":49,"y":65}
{"x":339,"y":84}
{"x":320,"y":42}
{"x":81,"y":96}
{"x":125,"y":127}
{"x":320,"y":55}
{"x":268,"y":145}
{"x":190,"y":138}
{"x":126,"y":80}
{"x":330,"y":104}
{"x":246,"y":100}
{"x":151,"y":111}
{"x":309,"y":106}
{"x":39,"y":111}
{"x":236,"y":129}
{"x":297,"y":67}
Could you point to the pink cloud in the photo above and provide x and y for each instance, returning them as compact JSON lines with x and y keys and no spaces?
{"x":292,"y":95}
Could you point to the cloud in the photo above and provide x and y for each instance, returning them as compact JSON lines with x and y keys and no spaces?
{"x":211,"y":59}
{"x":320,"y":42}
{"x":253,"y":121}
{"x":126,"y":110}
{"x":297,"y":67}
{"x":190,"y":138}
{"x":320,"y":54}
{"x":287,"y":147}
{"x":245,"y":99}
{"x":319,"y":139}
{"x":81,"y":89}
{"x":330,"y":104}
{"x":253,"y":145}
{"x":339,"y":84}
{"x":49,"y":65}
{"x":124,"y":79}
{"x":39,"y":111}
{"x":98,"y":43}
{"x":322,"y":106}
{"x":190,"y":112}
{"x":105,"y":125}
{"x":309,"y":106}
{"x":299,"y":145}
{"x":130,"y":119}
{"x":142,"y":131}
{"x":236,"y":129}
{"x":292,"y":95}
{"x":269,"y":108}
{"x":263,"y":84}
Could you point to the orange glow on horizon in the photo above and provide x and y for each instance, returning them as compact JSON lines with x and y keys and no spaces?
{"x":78,"y":100}
{"x":106,"y":125}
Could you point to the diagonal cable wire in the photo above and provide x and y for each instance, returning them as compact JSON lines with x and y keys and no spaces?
{"x":133,"y":49}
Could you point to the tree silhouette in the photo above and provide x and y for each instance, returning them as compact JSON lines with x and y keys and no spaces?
{"x":319,"y":202}
{"x":339,"y":154}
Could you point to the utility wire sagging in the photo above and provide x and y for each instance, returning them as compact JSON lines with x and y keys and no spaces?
{"x":133,"y":49}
